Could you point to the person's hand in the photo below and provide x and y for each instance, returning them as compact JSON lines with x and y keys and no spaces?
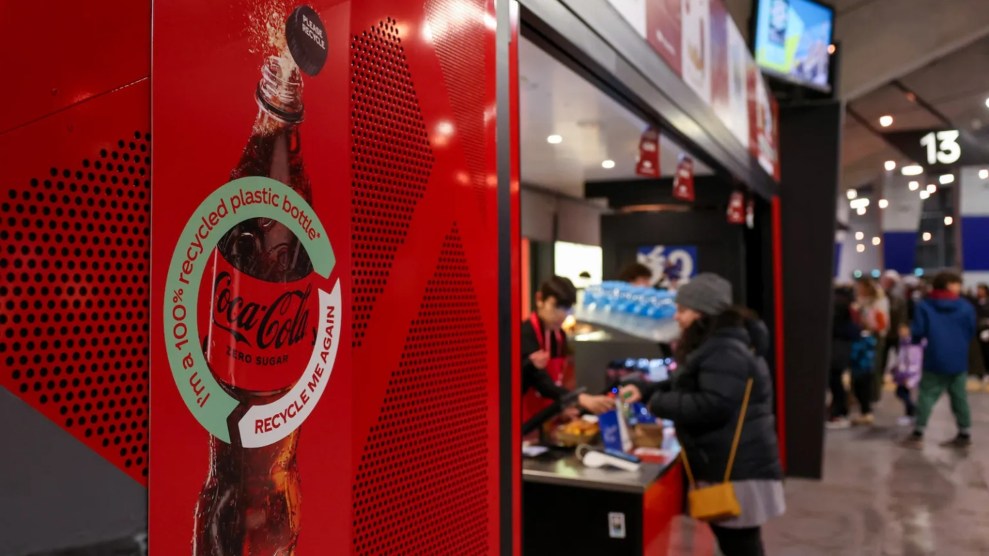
{"x":569,"y":414}
{"x":630,"y":393}
{"x":540,"y":359}
{"x":596,"y":404}
{"x":904,"y":331}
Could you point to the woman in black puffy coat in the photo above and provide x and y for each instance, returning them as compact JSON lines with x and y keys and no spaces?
{"x":721,"y":347}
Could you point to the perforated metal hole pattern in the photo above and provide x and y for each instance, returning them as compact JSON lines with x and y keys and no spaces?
{"x":74,"y":271}
{"x":463,"y":76}
{"x":392,"y":160}
{"x":424,"y":465}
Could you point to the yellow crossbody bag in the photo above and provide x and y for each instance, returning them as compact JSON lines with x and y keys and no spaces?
{"x":717,"y":502}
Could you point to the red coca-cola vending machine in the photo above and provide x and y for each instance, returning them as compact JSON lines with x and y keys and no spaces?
{"x":324,"y":278}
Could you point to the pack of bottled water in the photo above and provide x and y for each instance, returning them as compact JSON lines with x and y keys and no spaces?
{"x":640,"y":311}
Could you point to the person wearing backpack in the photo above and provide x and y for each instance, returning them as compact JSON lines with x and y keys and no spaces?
{"x":721,"y":400}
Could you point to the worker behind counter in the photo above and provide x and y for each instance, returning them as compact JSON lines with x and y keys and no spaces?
{"x":544,"y":351}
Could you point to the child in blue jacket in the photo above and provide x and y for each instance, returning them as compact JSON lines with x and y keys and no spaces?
{"x":947,"y":323}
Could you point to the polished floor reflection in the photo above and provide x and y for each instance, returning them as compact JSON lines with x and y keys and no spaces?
{"x":879,"y":499}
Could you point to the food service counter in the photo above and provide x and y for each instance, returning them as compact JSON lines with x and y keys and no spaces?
{"x":573,"y":509}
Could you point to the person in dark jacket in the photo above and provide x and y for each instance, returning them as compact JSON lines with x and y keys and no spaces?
{"x":844,"y":332}
{"x":719,"y":350}
{"x":981,"y":303}
{"x":544,"y":351}
{"x":948,"y":324}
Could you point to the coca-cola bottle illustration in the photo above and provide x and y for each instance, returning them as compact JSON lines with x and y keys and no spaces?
{"x":259,"y":337}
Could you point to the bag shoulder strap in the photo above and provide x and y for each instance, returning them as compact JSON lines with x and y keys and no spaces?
{"x":738,"y":429}
{"x":734,"y":443}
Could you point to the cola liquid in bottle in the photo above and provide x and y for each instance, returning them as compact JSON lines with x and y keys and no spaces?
{"x":259,"y":337}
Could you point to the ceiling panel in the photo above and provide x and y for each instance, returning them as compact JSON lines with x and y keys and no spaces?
{"x":594,"y":127}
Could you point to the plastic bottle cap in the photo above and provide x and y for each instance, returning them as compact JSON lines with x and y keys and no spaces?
{"x":306,"y":38}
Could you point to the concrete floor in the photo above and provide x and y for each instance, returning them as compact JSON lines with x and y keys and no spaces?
{"x":879,"y":499}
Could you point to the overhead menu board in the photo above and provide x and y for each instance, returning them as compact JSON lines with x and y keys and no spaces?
{"x":698,"y":40}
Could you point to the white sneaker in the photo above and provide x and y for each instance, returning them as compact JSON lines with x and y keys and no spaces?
{"x":838,"y":423}
{"x":866,"y":420}
{"x":904,"y":421}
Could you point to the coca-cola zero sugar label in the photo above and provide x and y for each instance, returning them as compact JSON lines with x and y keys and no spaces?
{"x":259,"y":334}
{"x":263,"y":336}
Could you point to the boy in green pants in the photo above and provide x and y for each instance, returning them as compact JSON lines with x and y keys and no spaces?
{"x":947,"y":322}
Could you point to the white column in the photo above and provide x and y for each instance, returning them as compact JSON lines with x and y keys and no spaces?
{"x":973,"y":196}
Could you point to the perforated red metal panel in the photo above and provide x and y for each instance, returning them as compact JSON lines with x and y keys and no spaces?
{"x":74,"y":298}
{"x":424,"y":468}
{"x":463,"y":25}
{"x":391,"y":161}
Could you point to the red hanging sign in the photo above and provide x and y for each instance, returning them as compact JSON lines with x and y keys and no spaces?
{"x":736,"y":208}
{"x":648,"y":164}
{"x":683,"y":181}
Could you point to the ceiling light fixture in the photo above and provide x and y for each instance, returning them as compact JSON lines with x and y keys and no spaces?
{"x":861,"y":211}
{"x":890,"y":165}
{"x":852,"y":193}
{"x":927,"y":236}
{"x":860,"y":248}
{"x":859,"y":236}
{"x":912,"y":170}
{"x":554,"y":139}
{"x":859,"y":203}
{"x":883,"y":203}
{"x":886,"y":120}
{"x":931,"y":188}
{"x":945,"y":179}
{"x":914,"y":185}
{"x":987,"y":103}
{"x":876,"y":240}
{"x":925,"y":195}
{"x":984,"y":174}
{"x":948,"y":220}
{"x":608,"y":164}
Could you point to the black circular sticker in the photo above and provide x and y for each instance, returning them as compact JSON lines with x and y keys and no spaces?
{"x":306,"y":39}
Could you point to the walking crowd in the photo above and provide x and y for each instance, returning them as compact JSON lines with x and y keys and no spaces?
{"x":923,"y":338}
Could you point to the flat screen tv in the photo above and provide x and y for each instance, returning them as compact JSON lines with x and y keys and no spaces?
{"x":792,"y":39}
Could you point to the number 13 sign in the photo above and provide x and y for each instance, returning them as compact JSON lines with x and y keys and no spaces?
{"x":942,"y":146}
{"x":940,"y":149}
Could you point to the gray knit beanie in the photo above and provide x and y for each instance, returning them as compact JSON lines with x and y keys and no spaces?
{"x":705,"y":293}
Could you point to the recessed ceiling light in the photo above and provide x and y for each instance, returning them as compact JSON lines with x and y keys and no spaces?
{"x":883,"y":203}
{"x":861,"y":211}
{"x":554,"y":139}
{"x":890,"y":165}
{"x":608,"y":164}
{"x":852,"y":193}
{"x":927,"y":236}
{"x":914,"y":185}
{"x":859,"y":236}
{"x":945,"y":179}
{"x":858,"y":203}
{"x":931,"y":188}
{"x":860,"y":248}
{"x":925,"y":195}
{"x":948,"y":220}
{"x":984,"y":174}
{"x":912,"y":170}
{"x":876,"y":240}
{"x":886,"y":120}
{"x":987,"y":102}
